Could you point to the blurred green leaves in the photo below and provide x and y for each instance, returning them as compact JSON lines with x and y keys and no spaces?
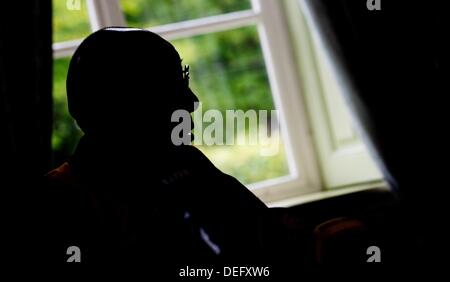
{"x":149,"y":13}
{"x":69,"y":24}
{"x":65,"y":131}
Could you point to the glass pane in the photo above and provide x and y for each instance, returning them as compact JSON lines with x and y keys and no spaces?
{"x":65,"y":131}
{"x":148,"y":13}
{"x":228,"y":73}
{"x":70,"y":20}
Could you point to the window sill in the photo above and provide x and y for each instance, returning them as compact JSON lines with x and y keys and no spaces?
{"x":298,"y":200}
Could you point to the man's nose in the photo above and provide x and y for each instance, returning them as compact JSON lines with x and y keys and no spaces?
{"x":192,"y":101}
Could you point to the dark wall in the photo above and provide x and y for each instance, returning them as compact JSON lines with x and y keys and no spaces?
{"x":25,"y":120}
{"x":25,"y":88}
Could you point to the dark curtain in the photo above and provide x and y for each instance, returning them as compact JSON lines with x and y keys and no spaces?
{"x":25,"y":88}
{"x":25,"y":124}
{"x":396,"y":60}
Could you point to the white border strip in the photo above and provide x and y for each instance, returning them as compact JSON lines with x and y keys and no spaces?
{"x":206,"y":25}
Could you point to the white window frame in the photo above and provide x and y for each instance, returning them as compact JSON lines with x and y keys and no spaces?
{"x":268,"y":16}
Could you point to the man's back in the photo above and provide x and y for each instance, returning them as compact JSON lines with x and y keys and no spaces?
{"x":184,"y":211}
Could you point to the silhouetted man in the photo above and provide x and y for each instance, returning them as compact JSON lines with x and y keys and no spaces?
{"x":128,"y":194}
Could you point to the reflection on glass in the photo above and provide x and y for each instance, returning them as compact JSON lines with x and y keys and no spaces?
{"x":148,"y":13}
{"x":70,"y":20}
{"x":228,"y":73}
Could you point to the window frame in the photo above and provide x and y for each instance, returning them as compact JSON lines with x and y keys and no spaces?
{"x":268,"y":17}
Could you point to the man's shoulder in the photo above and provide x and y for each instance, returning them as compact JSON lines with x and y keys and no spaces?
{"x":63,"y":180}
{"x":62,"y":173}
{"x":61,"y":187}
{"x":215,"y":184}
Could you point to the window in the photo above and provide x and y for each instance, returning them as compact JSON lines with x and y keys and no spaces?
{"x":240,"y":59}
{"x":343,"y":158}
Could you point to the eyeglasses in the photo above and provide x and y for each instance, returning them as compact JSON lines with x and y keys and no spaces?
{"x":186,"y":75}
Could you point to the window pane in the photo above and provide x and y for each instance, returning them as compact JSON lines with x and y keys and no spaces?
{"x":228,"y":73}
{"x":65,"y":131}
{"x":70,"y":21}
{"x":148,"y":13}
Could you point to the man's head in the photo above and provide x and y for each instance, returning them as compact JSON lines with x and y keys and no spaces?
{"x":127,"y":80}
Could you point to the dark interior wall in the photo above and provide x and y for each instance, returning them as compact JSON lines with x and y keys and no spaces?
{"x":25,"y":121}
{"x":25,"y":88}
